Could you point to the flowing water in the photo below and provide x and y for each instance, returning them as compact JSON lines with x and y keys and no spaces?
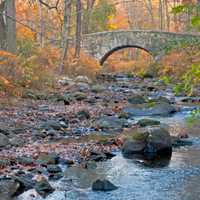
{"x":176,"y":177}
{"x":172,"y":178}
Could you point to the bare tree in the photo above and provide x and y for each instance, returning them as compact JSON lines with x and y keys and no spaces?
{"x":2,"y":26}
{"x":78,"y":28}
{"x":88,"y":12}
{"x":65,"y":33}
{"x":8,"y":25}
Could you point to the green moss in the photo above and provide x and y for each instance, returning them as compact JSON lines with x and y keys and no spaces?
{"x":151,"y":103}
{"x":140,"y":136}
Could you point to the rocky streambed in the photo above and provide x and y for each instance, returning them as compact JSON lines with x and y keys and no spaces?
{"x":120,"y":137}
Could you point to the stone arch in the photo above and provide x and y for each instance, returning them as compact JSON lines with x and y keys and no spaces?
{"x":110,"y":52}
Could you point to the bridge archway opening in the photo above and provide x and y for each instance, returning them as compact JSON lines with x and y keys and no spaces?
{"x":109,"y":53}
{"x":132,"y":56}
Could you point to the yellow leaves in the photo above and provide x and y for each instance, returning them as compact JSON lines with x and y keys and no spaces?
{"x":24,"y":32}
{"x":118,"y":21}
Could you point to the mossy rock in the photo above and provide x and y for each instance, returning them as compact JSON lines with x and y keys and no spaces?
{"x":97,"y":88}
{"x":79,"y":96}
{"x":147,"y":122}
{"x":137,"y":99}
{"x":36,"y":95}
{"x":140,"y":136}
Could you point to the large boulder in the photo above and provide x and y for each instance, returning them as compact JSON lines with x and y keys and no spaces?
{"x":133,"y":147}
{"x":156,"y":140}
{"x":8,"y":188}
{"x":25,"y":180}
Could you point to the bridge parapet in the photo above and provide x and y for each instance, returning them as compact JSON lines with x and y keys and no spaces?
{"x":102,"y":45}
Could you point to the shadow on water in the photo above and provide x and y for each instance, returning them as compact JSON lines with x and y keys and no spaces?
{"x":152,"y":161}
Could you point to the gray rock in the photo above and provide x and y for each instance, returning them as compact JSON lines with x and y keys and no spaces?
{"x":25,"y":180}
{"x":48,"y":159}
{"x":178,"y":142}
{"x":162,"y":109}
{"x":56,"y":176}
{"x":24,"y":160}
{"x":43,"y":188}
{"x":4,"y":162}
{"x":17,"y":141}
{"x":79,"y":96}
{"x":82,"y":79}
{"x":66,"y":81}
{"x":155,"y":140}
{"x":53,"y":124}
{"x":133,"y":147}
{"x":111,"y":122}
{"x":83,"y":114}
{"x":8,"y":188}
{"x":4,"y":141}
{"x":103,"y":185}
{"x":147,"y":122}
{"x":97,"y":156}
{"x":158,"y":141}
{"x":54,"y":169}
{"x":136,"y":99}
{"x":97,"y":88}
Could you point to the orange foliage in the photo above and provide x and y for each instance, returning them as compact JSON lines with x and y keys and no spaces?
{"x":85,"y":65}
{"x":179,"y":61}
{"x":120,"y":62}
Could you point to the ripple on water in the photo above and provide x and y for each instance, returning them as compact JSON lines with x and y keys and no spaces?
{"x":176,"y":178}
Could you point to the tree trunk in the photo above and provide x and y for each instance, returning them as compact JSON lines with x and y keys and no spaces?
{"x":86,"y":24}
{"x":10,"y":26}
{"x":41,"y":31}
{"x":65,"y":34}
{"x":2,"y":27}
{"x":161,"y":14}
{"x":78,"y":28}
{"x":150,"y":10}
{"x":167,"y":14}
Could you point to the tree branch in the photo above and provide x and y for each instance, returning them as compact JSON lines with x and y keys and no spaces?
{"x":49,"y":6}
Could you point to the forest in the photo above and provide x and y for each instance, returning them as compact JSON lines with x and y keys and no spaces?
{"x":99,"y":99}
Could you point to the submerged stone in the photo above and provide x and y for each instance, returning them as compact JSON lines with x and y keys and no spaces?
{"x":103,"y":185}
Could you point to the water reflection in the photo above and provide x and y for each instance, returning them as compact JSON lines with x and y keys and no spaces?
{"x":152,"y":161}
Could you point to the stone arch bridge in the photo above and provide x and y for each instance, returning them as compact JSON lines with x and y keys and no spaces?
{"x":101,"y":45}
